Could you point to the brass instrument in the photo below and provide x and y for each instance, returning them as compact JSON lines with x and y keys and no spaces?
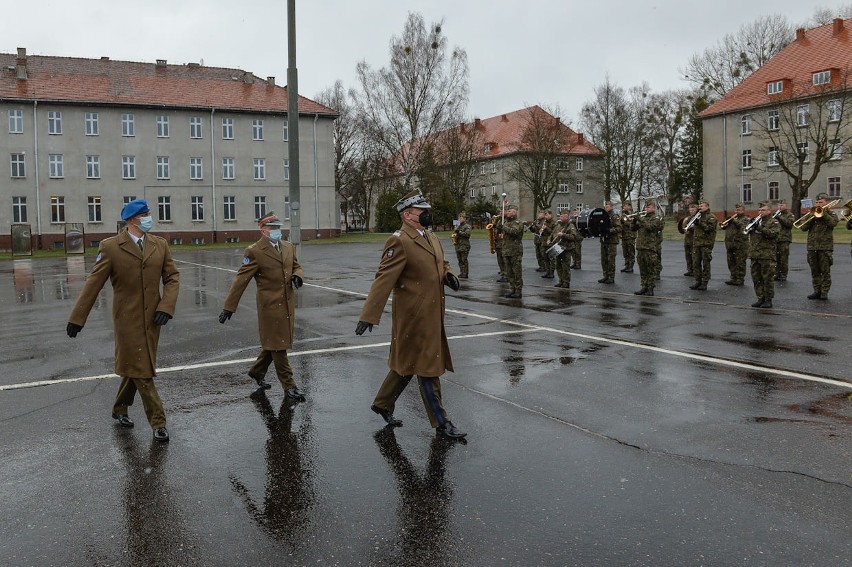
{"x":846,"y":213}
{"x":777,"y":213}
{"x":752,"y":225}
{"x":454,"y":238}
{"x":492,"y":234}
{"x":725,"y":222}
{"x":690,"y":224}
{"x":815,"y":213}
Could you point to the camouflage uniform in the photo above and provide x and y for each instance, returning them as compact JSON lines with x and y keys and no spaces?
{"x":546,"y":230}
{"x":703,"y":238}
{"x":540,"y":256}
{"x":736,"y":246}
{"x":568,"y":239}
{"x":513,"y":252}
{"x":660,"y":252}
{"x":501,"y":262}
{"x":577,"y":254}
{"x":628,"y":244}
{"x":462,"y":233}
{"x":762,"y":244}
{"x":609,"y":248}
{"x":688,"y":237}
{"x":821,"y":253}
{"x":646,"y":250}
{"x":785,"y":237}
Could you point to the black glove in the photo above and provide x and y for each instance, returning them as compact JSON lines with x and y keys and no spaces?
{"x":363,"y":326}
{"x":72,"y":329}
{"x":452,"y":281}
{"x":296,"y":281}
{"x":225,"y":315}
{"x":161,"y":318}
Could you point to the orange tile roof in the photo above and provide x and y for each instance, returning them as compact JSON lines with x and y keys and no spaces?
{"x":817,"y":49}
{"x":107,"y":82}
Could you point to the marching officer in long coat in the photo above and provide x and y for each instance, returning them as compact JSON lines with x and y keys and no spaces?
{"x":272,"y":263}
{"x":135,"y":262}
{"x":413,"y":267}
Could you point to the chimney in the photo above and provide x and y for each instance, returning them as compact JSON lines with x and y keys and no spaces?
{"x":248,"y":78}
{"x":104,"y":58}
{"x":21,"y":64}
{"x":270,"y":81}
{"x":504,"y":119}
{"x":477,"y":123}
{"x":161,"y":62}
{"x":837,"y":26}
{"x":800,"y":34}
{"x":581,"y":139}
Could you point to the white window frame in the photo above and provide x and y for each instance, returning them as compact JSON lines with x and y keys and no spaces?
{"x":54,"y":122}
{"x":57,"y":209}
{"x":196,"y":128}
{"x":229,"y":211}
{"x":162,"y":126}
{"x":286,"y":207}
{"x":773,"y":120}
{"x":746,"y":159}
{"x":803,"y":114}
{"x":482,"y":191}
{"x":128,"y":125}
{"x":93,"y":167}
{"x":563,"y":187}
{"x":228,"y":170}
{"x":807,"y":152}
{"x":286,"y":135}
{"x":472,"y":193}
{"x":128,"y":167}
{"x":493,"y":188}
{"x":745,"y":124}
{"x":821,"y":78}
{"x":835,"y":110}
{"x":16,"y":121}
{"x":833,"y":187}
{"x":286,"y":170}
{"x":19,"y":209}
{"x":578,"y":187}
{"x":196,"y":206}
{"x":745,"y":193}
{"x":257,"y":130}
{"x":18,"y":165}
{"x":562,"y":207}
{"x":196,"y":169}
{"x":163,"y":167}
{"x":227,"y":128}
{"x":55,"y":166}
{"x":772,"y":157}
{"x":259,"y":206}
{"x":493,"y":166}
{"x":578,"y":164}
{"x":91,"y":122}
{"x":259,"y":169}
{"x":774,"y":87}
{"x":94,"y":208}
{"x":482,"y":167}
{"x":164,"y":208}
{"x":835,"y":149}
{"x":773,"y":195}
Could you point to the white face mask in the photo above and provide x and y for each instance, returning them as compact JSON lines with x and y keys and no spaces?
{"x":275,"y":235}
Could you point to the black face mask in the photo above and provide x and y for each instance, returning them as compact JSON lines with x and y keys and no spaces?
{"x":425,"y":218}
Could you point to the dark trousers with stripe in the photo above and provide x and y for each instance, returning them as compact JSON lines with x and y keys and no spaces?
{"x":430,"y":392}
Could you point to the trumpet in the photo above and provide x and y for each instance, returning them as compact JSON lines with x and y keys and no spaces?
{"x":692,"y":221}
{"x":752,"y":225}
{"x":725,"y":222}
{"x":846,"y":213}
{"x":815,"y":213}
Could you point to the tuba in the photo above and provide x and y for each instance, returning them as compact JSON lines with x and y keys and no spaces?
{"x":492,"y":234}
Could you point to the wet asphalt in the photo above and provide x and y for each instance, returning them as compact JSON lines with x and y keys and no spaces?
{"x":603,"y":428}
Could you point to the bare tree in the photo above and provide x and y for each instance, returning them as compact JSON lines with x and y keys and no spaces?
{"x":823,"y":16}
{"x":736,"y":56}
{"x":667,"y":114}
{"x":423,"y":91}
{"x":457,"y":150}
{"x":345,"y":142}
{"x":808,"y":129}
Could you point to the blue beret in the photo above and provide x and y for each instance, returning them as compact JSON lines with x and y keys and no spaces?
{"x":133,"y":208}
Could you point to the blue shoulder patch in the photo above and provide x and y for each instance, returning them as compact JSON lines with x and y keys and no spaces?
{"x":98,"y":258}
{"x":246,"y":260}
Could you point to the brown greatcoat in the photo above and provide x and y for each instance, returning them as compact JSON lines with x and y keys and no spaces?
{"x":415,"y":272}
{"x":276,"y":298}
{"x":136,"y":297}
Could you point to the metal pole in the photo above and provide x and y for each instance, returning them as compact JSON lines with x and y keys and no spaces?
{"x":293,"y":128}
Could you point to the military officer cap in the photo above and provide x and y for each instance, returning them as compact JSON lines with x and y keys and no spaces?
{"x":739,"y":206}
{"x":269,"y":219}
{"x":414,"y":199}
{"x":134,"y":208}
{"x":823,"y":196}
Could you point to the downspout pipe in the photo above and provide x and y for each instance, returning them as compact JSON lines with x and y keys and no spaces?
{"x":213,"y":169}
{"x":316,"y":176}
{"x":35,"y":169}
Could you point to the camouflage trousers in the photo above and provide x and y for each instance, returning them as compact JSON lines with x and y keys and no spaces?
{"x":462,"y":252}
{"x":501,"y":262}
{"x":577,"y":253}
{"x":563,"y":267}
{"x":513,"y":271}
{"x":628,"y":250}
{"x":540,"y":256}
{"x":737,"y":256}
{"x":701,"y":258}
{"x":648,"y":266}
{"x":820,"y":262}
{"x":609,"y":250}
{"x":782,"y":259}
{"x":687,"y":252}
{"x":763,"y":276}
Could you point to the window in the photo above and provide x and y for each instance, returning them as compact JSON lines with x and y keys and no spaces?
{"x":746,"y":196}
{"x":482,"y":169}
{"x":230,"y":212}
{"x":772,"y":122}
{"x":286,"y":170}
{"x":18,"y":165}
{"x":16,"y":121}
{"x":93,"y":167}
{"x":195,"y":131}
{"x":803,"y":152}
{"x":162,"y":167}
{"x":578,"y":164}
{"x":162,"y":126}
{"x":774,"y":87}
{"x":19,"y":209}
{"x":494,"y":189}
{"x":95,"y":209}
{"x":834,"y":187}
{"x":822,"y":78}
{"x":579,"y":186}
{"x":227,"y":168}
{"x":562,"y":207}
{"x":259,"y":206}
{"x":195,"y":169}
{"x":835,"y":110}
{"x":92,"y":124}
{"x":746,"y":159}
{"x":164,"y":208}
{"x":493,"y":167}
{"x":128,"y":167}
{"x":834,"y":149}
{"x":55,"y":166}
{"x":127,"y":198}
{"x":745,"y":124}
{"x":196,"y":203}
{"x":286,"y":130}
{"x":57,"y":209}
{"x":473,"y":193}
{"x":563,"y":188}
{"x":128,"y":125}
{"x":259,"y":169}
{"x":772,"y":158}
{"x":257,"y":129}
{"x":482,"y":191}
{"x":802,"y":115}
{"x":286,"y":207}
{"x":54,"y":122}
{"x":227,"y":128}
{"x":773,"y":190}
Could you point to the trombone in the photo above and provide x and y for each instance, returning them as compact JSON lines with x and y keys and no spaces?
{"x":725,"y":222}
{"x":816,"y":213}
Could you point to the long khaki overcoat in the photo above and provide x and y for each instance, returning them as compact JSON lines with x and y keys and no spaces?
{"x":136,"y":297}
{"x":276,"y":298}
{"x":414,"y":271}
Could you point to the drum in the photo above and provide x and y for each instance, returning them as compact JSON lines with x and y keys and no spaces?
{"x":598,"y":223}
{"x":583,"y":223}
{"x":555,"y":250}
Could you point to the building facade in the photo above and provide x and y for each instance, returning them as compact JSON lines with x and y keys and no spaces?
{"x":206,"y":147}
{"x":792,"y":113}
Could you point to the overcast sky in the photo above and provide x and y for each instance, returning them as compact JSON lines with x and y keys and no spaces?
{"x":549,"y":52}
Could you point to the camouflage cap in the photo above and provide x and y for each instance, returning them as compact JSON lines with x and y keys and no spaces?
{"x":782,"y":202}
{"x":823,"y":196}
{"x":739,"y":206}
{"x":763,"y":204}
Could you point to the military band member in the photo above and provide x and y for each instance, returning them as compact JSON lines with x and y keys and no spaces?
{"x":498,"y":250}
{"x":513,"y":250}
{"x":564,"y":233}
{"x":628,"y":239}
{"x":849,"y":227}
{"x":785,"y":220}
{"x":271,"y":262}
{"x":647,"y":226}
{"x":135,"y":262}
{"x":703,"y":239}
{"x":762,"y":249}
{"x":413,"y":268}
{"x":535,"y":228}
{"x":577,"y":255}
{"x":736,"y":245}
{"x":462,"y":243}
{"x":688,"y":237}
{"x":821,"y":248}
{"x":544,"y":237}
{"x":609,"y":245}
